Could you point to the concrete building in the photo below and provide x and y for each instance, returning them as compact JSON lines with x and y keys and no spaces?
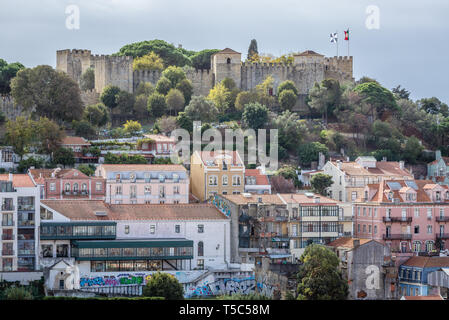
{"x":20,"y":223}
{"x":145,"y":183}
{"x":100,"y":242}
{"x":68,"y":184}
{"x":8,"y":159}
{"x":216,"y":173}
{"x":410,"y":216}
{"x":438,"y":170}
{"x":350,"y":178}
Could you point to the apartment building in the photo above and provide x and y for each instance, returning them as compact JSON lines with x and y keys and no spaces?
{"x":20,"y":223}
{"x":350,"y":177}
{"x":145,"y":183}
{"x":156,"y":146}
{"x":411,"y":216}
{"x":68,"y":184}
{"x":216,"y":172}
{"x":256,"y":181}
{"x":79,"y":146}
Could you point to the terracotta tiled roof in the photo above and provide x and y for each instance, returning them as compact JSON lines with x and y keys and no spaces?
{"x":227,"y":50}
{"x":62,"y":173}
{"x":423,"y":298}
{"x":159,"y":138}
{"x":18,"y":180}
{"x":309,"y":53}
{"x":445,"y":159}
{"x":85,"y":210}
{"x":261,"y":179}
{"x":427,"y":262}
{"x":70,"y":140}
{"x":347,"y":242}
{"x":240,"y":199}
{"x":387,"y":168}
{"x":143,"y":167}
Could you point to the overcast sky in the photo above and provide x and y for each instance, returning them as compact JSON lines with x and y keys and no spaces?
{"x":410,"y":48}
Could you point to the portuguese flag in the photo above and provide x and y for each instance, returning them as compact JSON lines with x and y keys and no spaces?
{"x":347,"y":35}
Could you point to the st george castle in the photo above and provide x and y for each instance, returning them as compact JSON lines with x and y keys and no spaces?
{"x":307,"y":68}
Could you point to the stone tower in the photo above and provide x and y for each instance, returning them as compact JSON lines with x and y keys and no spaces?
{"x":227,"y":64}
{"x":73,"y":62}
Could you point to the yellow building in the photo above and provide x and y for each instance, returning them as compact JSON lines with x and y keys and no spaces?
{"x":216,"y":172}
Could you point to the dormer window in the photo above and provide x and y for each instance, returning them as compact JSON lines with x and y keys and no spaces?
{"x":390,"y":195}
{"x":438,"y":195}
{"x":161,"y":178}
{"x":132,"y":177}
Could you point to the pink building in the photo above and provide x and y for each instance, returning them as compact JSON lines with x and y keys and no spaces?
{"x":68,"y":184}
{"x":79,"y":146}
{"x":411,"y":216}
{"x":160,"y":146}
{"x":145,"y":183}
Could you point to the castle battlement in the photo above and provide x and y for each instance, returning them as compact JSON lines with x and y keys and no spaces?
{"x":83,"y":52}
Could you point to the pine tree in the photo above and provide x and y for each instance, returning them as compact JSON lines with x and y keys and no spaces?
{"x":252,"y":49}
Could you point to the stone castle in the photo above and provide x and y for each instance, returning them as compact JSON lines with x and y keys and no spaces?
{"x":308,"y":67}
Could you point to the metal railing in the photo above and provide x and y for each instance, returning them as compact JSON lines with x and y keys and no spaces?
{"x":397,"y":219}
{"x":120,"y":290}
{"x":442,"y":235}
{"x":442,"y":219}
{"x":404,"y":236}
{"x":6,"y":207}
{"x":6,"y":236}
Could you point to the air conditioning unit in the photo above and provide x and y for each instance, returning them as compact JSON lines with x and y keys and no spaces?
{"x":101,"y":213}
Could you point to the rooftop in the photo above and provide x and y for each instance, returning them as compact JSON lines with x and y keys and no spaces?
{"x":427,"y":262}
{"x":261,"y":179}
{"x":86,"y":209}
{"x":347,"y":242}
{"x":386,"y":168}
{"x":210,"y":158}
{"x":18,"y":180}
{"x":242,"y":199}
{"x":142,"y":167}
{"x":71,"y":140}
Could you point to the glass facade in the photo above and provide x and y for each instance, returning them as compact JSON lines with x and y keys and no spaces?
{"x":77,"y":231}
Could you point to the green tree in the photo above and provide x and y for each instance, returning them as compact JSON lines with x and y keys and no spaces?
{"x":64,"y":156}
{"x":184,"y":121}
{"x":156,"y":105}
{"x":292,"y":130}
{"x":52,"y":93}
{"x":174,"y":74}
{"x":219,"y":96}
{"x":88,"y":79}
{"x":229,"y":83}
{"x":310,"y":151}
{"x":145,"y":88}
{"x":287,"y":85}
{"x":255,"y":115}
{"x":380,"y":99}
{"x":132,"y":127}
{"x":163,"y":285}
{"x":49,"y":134}
{"x":140,"y":109}
{"x":412,"y":150}
{"x":24,"y":165}
{"x":84,"y":129}
{"x":201,"y":109}
{"x":87,"y":169}
{"x":186,"y":87}
{"x":400,"y":93}
{"x":319,"y":277}
{"x":289,"y":172}
{"x":125,"y":102}
{"x":252,"y":49}
{"x":320,"y":182}
{"x":19,"y":135}
{"x":150,"y":61}
{"x":433,"y":106}
{"x":264,"y":92}
{"x":174,"y":101}
{"x":244,"y":98}
{"x":17,"y":293}
{"x":287,"y":99}
{"x":8,"y":72}
{"x":109,"y":96}
{"x":166,"y":124}
{"x":201,"y":59}
{"x":325,"y":97}
{"x":96,"y":114}
{"x":163,"y":85}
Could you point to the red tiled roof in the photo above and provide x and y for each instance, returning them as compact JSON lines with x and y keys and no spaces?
{"x":143,"y":167}
{"x":347,"y":242}
{"x":159,"y":138}
{"x":445,"y":159}
{"x":304,"y":199}
{"x":423,"y":298}
{"x":261,"y":179}
{"x":85,"y":210}
{"x":70,"y":140}
{"x":427,"y":262}
{"x":18,"y":180}
{"x":240,"y":199}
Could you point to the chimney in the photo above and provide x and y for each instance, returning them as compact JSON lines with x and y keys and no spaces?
{"x":10,"y":177}
{"x":338,"y":164}
{"x":356,"y":242}
{"x":401,"y":165}
{"x":438,"y":155}
{"x":316,"y":199}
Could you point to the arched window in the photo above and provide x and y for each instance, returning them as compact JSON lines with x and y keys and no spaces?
{"x":84,"y":187}
{"x":228,"y":61}
{"x":67,"y":187}
{"x":75,"y":187}
{"x":200,"y":249}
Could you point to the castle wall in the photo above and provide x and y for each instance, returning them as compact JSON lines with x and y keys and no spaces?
{"x":11,"y":111}
{"x":340,"y":64}
{"x":202,"y":81}
{"x":113,"y":70}
{"x":222,"y":69}
{"x":140,"y":76}
{"x":73,"y":62}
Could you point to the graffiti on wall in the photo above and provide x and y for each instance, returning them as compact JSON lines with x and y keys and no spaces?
{"x":121,"y":279}
{"x":224,"y":286}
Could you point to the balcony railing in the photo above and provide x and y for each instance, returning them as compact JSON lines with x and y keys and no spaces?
{"x":25,"y":207}
{"x":7,"y":252}
{"x":404,"y":236}
{"x":7,"y":223}
{"x":26,"y":252}
{"x":26,"y":223}
{"x":442,"y":235}
{"x":7,"y":236}
{"x":397,"y":219}
{"x":7,"y":207}
{"x":442,"y":219}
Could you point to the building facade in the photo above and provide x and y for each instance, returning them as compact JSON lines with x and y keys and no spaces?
{"x":256,"y":181}
{"x":438,"y":170}
{"x":350,"y":178}
{"x":145,"y":183}
{"x":410,"y":216}
{"x":156,"y":146}
{"x":79,"y":146}
{"x":20,"y":223}
{"x":68,"y":184}
{"x":216,"y":173}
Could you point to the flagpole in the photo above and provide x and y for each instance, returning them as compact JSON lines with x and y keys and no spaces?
{"x":337,"y":41}
{"x":349,"y":39}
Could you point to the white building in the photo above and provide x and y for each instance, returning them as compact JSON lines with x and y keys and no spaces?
{"x":99,"y":241}
{"x":20,"y":203}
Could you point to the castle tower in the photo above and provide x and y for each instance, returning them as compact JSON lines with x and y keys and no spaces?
{"x":309,"y":67}
{"x":73,"y":62}
{"x":227,"y":64}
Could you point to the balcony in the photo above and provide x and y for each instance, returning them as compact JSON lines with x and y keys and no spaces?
{"x":7,"y":236}
{"x":25,"y":223}
{"x":7,"y":252}
{"x":346,"y":219}
{"x":77,"y":230}
{"x":7,"y":207}
{"x":404,"y":236}
{"x":442,"y":235}
{"x":26,"y":252}
{"x":397,"y":219}
{"x":9,"y":223}
{"x":442,"y":219}
{"x":25,"y":207}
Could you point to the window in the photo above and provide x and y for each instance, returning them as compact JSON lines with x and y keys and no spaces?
{"x":416,"y":212}
{"x":133,"y":191}
{"x":364,"y":228}
{"x":47,"y":250}
{"x":175,"y":177}
{"x":201,"y":228}
{"x":358,"y":228}
{"x":118,"y":178}
{"x":375,"y":212}
{"x":228,"y":60}
{"x":429,"y":246}
{"x":441,"y":212}
{"x":52,"y":186}
{"x":353,"y":195}
{"x":98,"y":186}
{"x":62,"y":250}
{"x":75,"y":187}
{"x":127,"y":229}
{"x":429,"y":213}
{"x":375,"y":229}
{"x":358,"y":211}
{"x":132,"y":177}
{"x":429,"y":229}
{"x":147,"y":190}
{"x":118,"y":190}
{"x":175,"y":189}
{"x":161,"y":178}
{"x":364,"y":211}
{"x":200,"y":249}
{"x":369,"y":228}
{"x":200,"y":264}
{"x":67,"y":187}
{"x":152,"y":228}
{"x":416,"y":229}
{"x":224,"y":180}
{"x":177,"y":228}
{"x":213,"y":180}
{"x":161,"y":191}
{"x":417,"y":246}
{"x":235,"y":180}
